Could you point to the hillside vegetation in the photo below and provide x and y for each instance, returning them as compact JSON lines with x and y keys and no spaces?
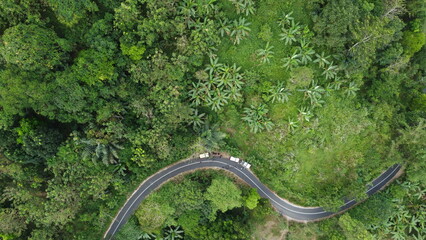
{"x":320,"y":96}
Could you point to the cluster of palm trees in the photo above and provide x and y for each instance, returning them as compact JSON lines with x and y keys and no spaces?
{"x":292,"y":32}
{"x":256,"y":117}
{"x":223,"y":84}
{"x":194,"y":9}
{"x":408,"y":220}
{"x":237,"y":30}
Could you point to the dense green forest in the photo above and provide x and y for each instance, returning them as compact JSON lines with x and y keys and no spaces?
{"x":320,"y":96}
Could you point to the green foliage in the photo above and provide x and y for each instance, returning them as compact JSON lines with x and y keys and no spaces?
{"x":211,"y":138}
{"x":189,"y":220}
{"x":92,"y":67}
{"x":131,"y":230}
{"x":265,"y":54}
{"x":292,"y":61}
{"x":285,"y":20}
{"x":71,"y":12}
{"x":13,"y":12}
{"x":353,"y":229}
{"x":223,"y":194}
{"x":412,"y":144}
{"x":334,"y":22}
{"x":173,"y":233}
{"x":215,"y":89}
{"x":278,"y":93}
{"x":100,"y":149}
{"x":239,"y":30}
{"x":11,"y":223}
{"x":152,"y":215}
{"x":256,"y":118}
{"x":132,"y":72}
{"x":252,"y":199}
{"x":290,"y":35}
{"x":407,"y":220}
{"x":141,"y":158}
{"x":244,"y":6}
{"x":32,"y":47}
{"x":301,"y":77}
{"x":265,"y":33}
{"x":134,"y":52}
{"x":413,"y":42}
{"x":38,"y":141}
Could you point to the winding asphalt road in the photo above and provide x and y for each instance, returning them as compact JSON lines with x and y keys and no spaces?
{"x":286,"y":208}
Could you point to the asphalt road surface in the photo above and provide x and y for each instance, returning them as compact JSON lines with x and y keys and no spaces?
{"x":284,"y":207}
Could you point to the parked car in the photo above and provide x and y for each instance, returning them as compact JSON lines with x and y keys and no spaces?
{"x":204,"y":155}
{"x":234,"y":159}
{"x":246,"y":164}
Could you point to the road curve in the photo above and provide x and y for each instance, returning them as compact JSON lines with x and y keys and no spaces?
{"x":285,"y":207}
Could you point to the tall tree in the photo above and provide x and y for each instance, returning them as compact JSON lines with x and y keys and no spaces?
{"x":223,"y":194}
{"x":33,"y":48}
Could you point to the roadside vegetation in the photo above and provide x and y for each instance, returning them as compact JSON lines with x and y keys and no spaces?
{"x":320,"y":96}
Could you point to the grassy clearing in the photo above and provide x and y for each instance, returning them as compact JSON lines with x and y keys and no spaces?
{"x":335,"y":153}
{"x":266,"y":17}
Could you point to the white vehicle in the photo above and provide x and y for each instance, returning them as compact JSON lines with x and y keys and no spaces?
{"x":234,"y":159}
{"x":246,"y":164}
{"x":204,"y":155}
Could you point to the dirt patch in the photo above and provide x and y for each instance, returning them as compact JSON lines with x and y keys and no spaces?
{"x":273,"y":229}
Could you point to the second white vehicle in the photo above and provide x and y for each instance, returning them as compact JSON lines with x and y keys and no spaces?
{"x":246,"y":164}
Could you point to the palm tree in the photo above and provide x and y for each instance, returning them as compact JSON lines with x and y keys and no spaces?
{"x":289,"y":35}
{"x":211,"y":138}
{"x":237,"y":81}
{"x":291,"y":61}
{"x":197,"y":119}
{"x":120,"y":169}
{"x":265,"y":54}
{"x":244,"y":6}
{"x":224,"y":27}
{"x":147,"y":236}
{"x":233,"y":93}
{"x":322,"y":60}
{"x":285,"y":20}
{"x":209,"y":6}
{"x":331,"y":71}
{"x":225,"y":81}
{"x":218,"y":100}
{"x":257,"y":119}
{"x":305,"y":52}
{"x":173,"y":233}
{"x":292,"y":125}
{"x":351,"y":90}
{"x":305,"y":114}
{"x":188,"y":10}
{"x":240,"y":30}
{"x":278,"y":93}
{"x":225,"y":71}
{"x":336,"y":84}
{"x":100,"y":149}
{"x":198,"y":93}
{"x":314,"y":93}
{"x":213,"y":66}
